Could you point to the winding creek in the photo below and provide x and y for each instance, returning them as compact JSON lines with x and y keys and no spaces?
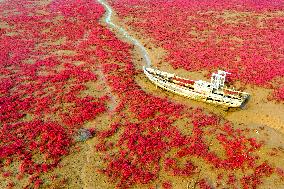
{"x":258,"y":111}
{"x":124,"y":32}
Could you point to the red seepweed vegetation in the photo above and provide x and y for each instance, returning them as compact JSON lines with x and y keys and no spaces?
{"x":41,"y":102}
{"x":243,"y":38}
{"x":42,"y":106}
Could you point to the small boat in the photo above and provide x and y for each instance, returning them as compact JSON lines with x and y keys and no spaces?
{"x":214,"y":92}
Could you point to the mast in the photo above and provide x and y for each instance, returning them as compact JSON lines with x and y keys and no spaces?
{"x":218,"y":79}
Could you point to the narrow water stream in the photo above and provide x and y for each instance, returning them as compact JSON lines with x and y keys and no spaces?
{"x":124,"y":32}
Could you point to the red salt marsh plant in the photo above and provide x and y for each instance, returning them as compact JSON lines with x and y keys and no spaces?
{"x":167,"y":185}
{"x":203,"y":184}
{"x":134,"y":158}
{"x":187,"y":170}
{"x":279,"y":94}
{"x":40,"y":95}
{"x":23,"y":140}
{"x":243,"y":38}
{"x":47,"y":91}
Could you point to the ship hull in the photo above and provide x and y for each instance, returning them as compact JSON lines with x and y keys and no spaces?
{"x":165,"y":81}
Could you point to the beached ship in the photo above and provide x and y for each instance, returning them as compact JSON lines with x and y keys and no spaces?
{"x":214,"y":92}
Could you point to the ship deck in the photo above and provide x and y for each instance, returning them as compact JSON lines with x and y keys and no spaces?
{"x":184,"y":87}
